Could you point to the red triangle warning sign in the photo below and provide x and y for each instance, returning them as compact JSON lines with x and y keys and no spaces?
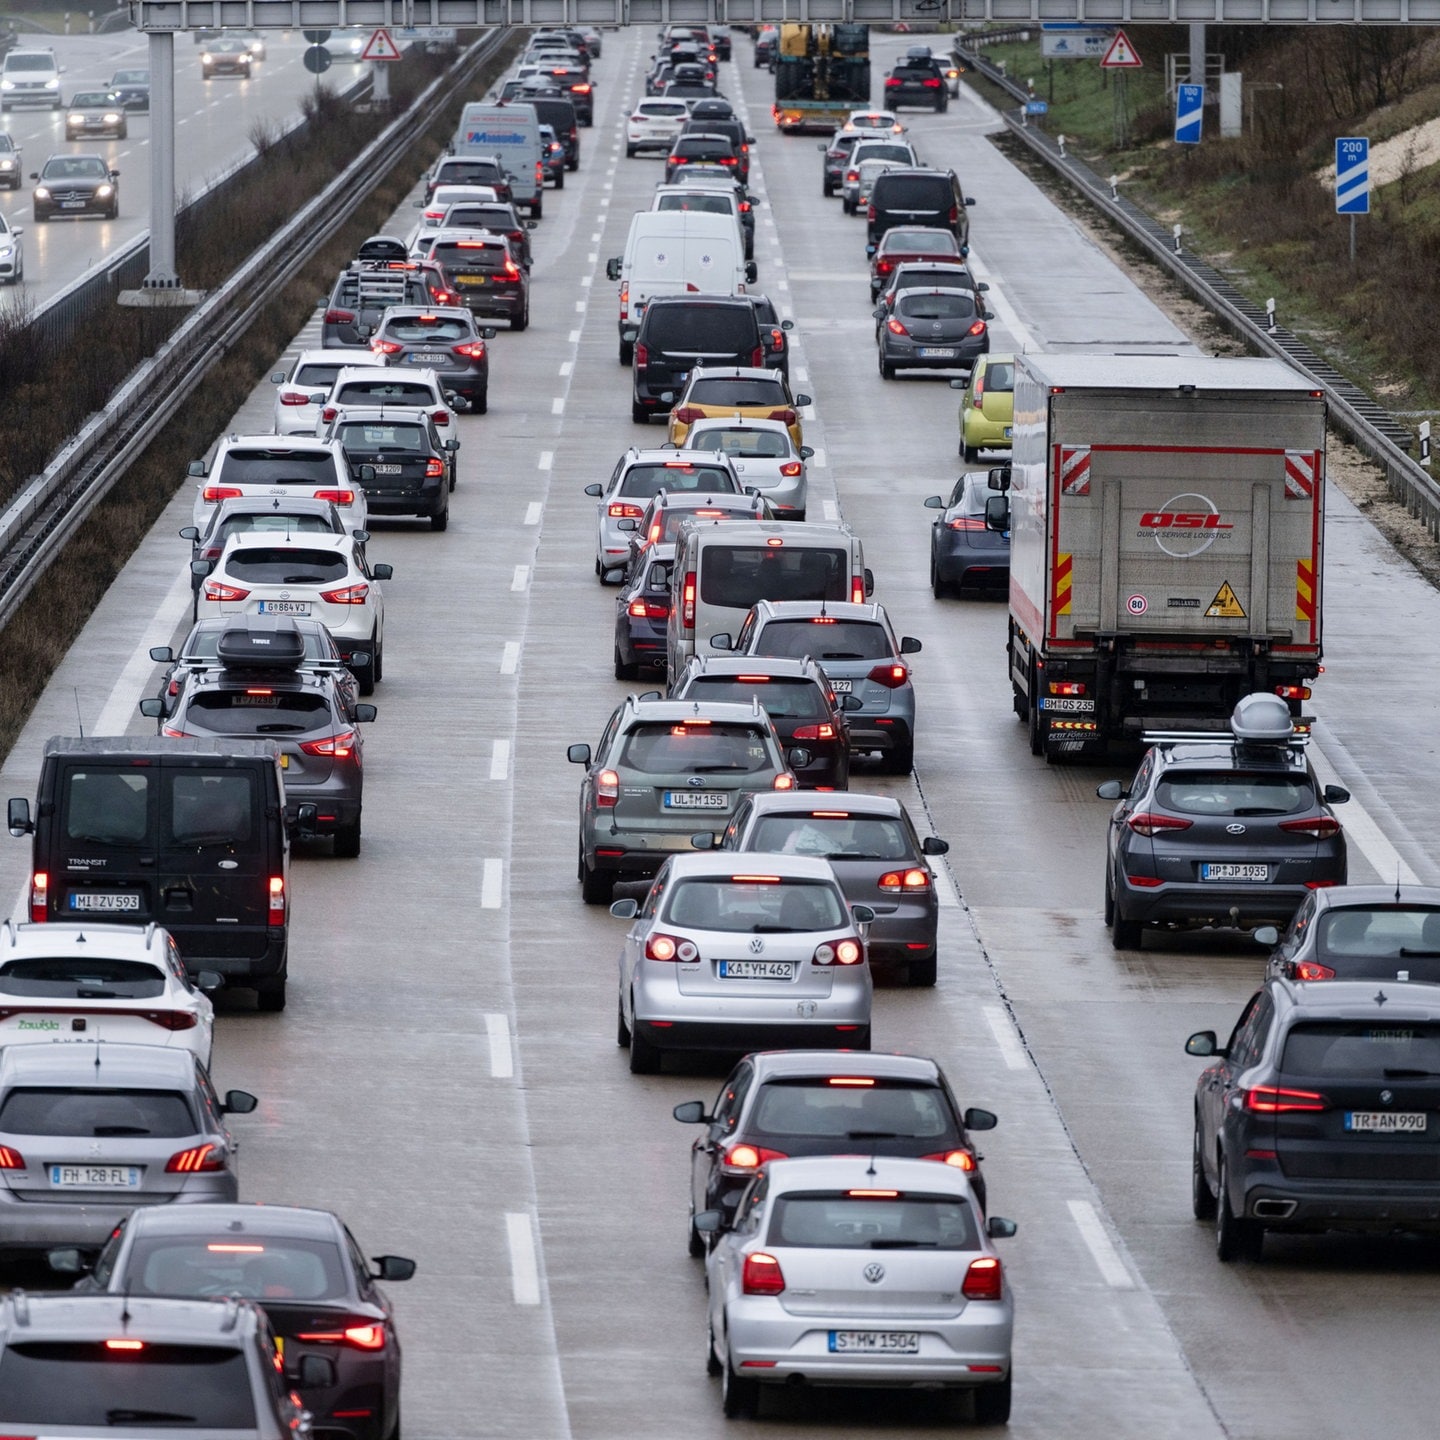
{"x":381,"y":47}
{"x":1121,"y":54}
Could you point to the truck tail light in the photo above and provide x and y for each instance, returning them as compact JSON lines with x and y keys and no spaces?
{"x":39,"y":897}
{"x":1320,"y":827}
{"x":892,"y":677}
{"x":607,"y":789}
{"x":762,"y":1275}
{"x":895,"y":882}
{"x":1066,"y":687}
{"x":1273,"y":1100}
{"x":277,"y":899}
{"x":339,"y":317}
{"x":984,"y":1280}
{"x":1148,"y":825}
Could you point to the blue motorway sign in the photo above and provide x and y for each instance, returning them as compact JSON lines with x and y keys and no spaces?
{"x":1352,"y":175}
{"x":1189,"y":113}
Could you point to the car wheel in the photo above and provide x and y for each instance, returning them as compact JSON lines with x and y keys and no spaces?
{"x":478,"y":406}
{"x":938,"y":588}
{"x":1125,"y":933}
{"x":848,"y":205}
{"x":738,"y":1398}
{"x":922,"y":973}
{"x":441,"y":521}
{"x":629,"y":152}
{"x":695,"y":1246}
{"x":113,"y":213}
{"x":347,"y":840}
{"x":537,"y":211}
{"x":1202,"y":1197}
{"x":624,"y":671}
{"x":596,"y":886}
{"x":712,"y":1361}
{"x":644,"y":1057}
{"x":887,"y":370}
{"x":522,"y":321}
{"x":992,"y":1402}
{"x":1109,"y":899}
{"x":270,"y":995}
{"x":900,"y":760}
{"x":379,"y":662}
{"x":639,"y":414}
{"x":970,"y":453}
{"x":1236,"y":1237}
{"x":395,"y":1428}
{"x":827,"y":188}
{"x":365,"y":674}
{"x":622,"y":1030}
{"x":627,"y":352}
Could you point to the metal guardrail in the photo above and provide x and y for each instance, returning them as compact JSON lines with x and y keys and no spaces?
{"x":1366,"y":424}
{"x":53,"y":504}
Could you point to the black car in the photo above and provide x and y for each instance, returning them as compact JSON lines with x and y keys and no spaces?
{"x":1319,"y":1114}
{"x":642,"y":614}
{"x":499,"y":216}
{"x":917,"y":82}
{"x":701,"y":148}
{"x":1215,"y":830}
{"x":573,"y":82}
{"x":715,"y":107}
{"x":836,"y":151}
{"x":398,"y":459}
{"x":469,"y":170}
{"x":734,"y":130}
{"x":774,"y":334}
{"x":917,"y":196}
{"x":444,"y":339}
{"x":933,"y":329}
{"x":558,"y":111}
{"x":552,"y":154}
{"x":679,"y":332}
{"x":970,"y":538}
{"x":484,"y":275}
{"x":132,"y":89}
{"x":786,"y":1104}
{"x":304,"y":1269}
{"x":767,"y":47}
{"x":75,"y":185}
{"x":1359,"y":932}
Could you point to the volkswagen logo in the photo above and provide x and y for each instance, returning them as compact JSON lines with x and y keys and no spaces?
{"x":1386,"y":1096}
{"x":757,"y":946}
{"x":696,"y":782}
{"x":1235,"y":829}
{"x":874,"y":1272}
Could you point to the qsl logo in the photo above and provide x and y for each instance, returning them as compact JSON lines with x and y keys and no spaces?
{"x":1182,"y":528}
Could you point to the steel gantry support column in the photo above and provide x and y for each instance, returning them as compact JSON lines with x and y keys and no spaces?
{"x":162,"y":274}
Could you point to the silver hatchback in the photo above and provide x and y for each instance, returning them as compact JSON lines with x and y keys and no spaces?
{"x":732,"y":955}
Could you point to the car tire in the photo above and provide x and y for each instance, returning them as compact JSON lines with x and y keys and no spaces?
{"x":365,"y":674}
{"x":113,"y":213}
{"x":900,"y":760}
{"x":630,"y":152}
{"x":713,"y":1367}
{"x":1125,"y":933}
{"x":887,"y":370}
{"x":441,"y":521}
{"x":522,"y":321}
{"x":395,"y":1428}
{"x":627,"y":352}
{"x":739,"y":1399}
{"x":537,"y":211}
{"x":596,"y":886}
{"x":1236,"y":1237}
{"x":270,"y":995}
{"x":1037,"y":724}
{"x":478,"y":406}
{"x":922,"y":974}
{"x":938,"y":588}
{"x":848,"y":205}
{"x":379,"y":662}
{"x":827,"y":188}
{"x":695,"y":1247}
{"x":639,"y":414}
{"x":122,"y":133}
{"x":644,"y":1057}
{"x":969,"y":453}
{"x":347,"y":840}
{"x":1202,"y":1197}
{"x":992,"y":1402}
{"x":624,"y":671}
{"x":1109,"y":900}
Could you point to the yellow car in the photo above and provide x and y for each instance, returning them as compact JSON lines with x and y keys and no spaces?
{"x":987,"y":410}
{"x":737,"y":390}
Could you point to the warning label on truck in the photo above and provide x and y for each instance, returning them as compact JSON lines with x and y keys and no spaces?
{"x":1225,"y":605}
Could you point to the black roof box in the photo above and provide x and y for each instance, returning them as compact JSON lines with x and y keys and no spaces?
{"x":261,"y":642}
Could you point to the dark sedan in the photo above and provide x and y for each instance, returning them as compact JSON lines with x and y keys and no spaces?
{"x":970,"y":538}
{"x":911,"y":243}
{"x":75,"y":185}
{"x":702,"y":149}
{"x":334,"y":1327}
{"x":445,"y":340}
{"x":642,"y":614}
{"x":917,"y":82}
{"x":933,"y":330}
{"x":132,"y":89}
{"x":401,"y":462}
{"x":1359,"y":932}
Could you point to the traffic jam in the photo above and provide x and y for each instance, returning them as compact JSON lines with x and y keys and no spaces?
{"x":765,"y":878}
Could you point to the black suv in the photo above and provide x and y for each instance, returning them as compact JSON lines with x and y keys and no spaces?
{"x":483,"y":274}
{"x":917,"y":81}
{"x":682,"y":331}
{"x":919,"y":197}
{"x":1317,"y":1114}
{"x":734,"y":130}
{"x":702,"y":147}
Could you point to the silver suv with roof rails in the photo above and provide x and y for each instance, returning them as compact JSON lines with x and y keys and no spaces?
{"x":288,"y":466}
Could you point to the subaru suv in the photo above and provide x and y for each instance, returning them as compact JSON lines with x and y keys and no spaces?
{"x":1320,"y":1113}
{"x":662,"y":768}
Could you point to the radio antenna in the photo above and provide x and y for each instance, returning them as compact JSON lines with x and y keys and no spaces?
{"x":79,"y":719}
{"x":1397,"y":882}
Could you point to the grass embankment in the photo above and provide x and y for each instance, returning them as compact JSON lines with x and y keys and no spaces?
{"x":47,"y":623}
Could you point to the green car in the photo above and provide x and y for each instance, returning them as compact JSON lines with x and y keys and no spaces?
{"x":987,"y":410}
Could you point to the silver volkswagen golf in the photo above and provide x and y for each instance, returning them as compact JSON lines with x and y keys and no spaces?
{"x":731,"y":953}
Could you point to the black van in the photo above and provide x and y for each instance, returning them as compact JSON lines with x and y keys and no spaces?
{"x":679,"y":332}
{"x":931,"y":198}
{"x":559,"y":113}
{"x":188,"y":833}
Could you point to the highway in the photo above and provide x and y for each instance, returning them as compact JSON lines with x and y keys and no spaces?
{"x":446,"y":1074}
{"x":214,"y":121}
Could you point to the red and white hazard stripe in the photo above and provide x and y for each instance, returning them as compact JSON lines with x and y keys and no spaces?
{"x":1302,"y":473}
{"x":1075,"y":469}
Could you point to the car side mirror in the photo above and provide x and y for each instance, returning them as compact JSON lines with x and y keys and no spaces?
{"x":364,"y":714}
{"x":997,"y":512}
{"x":162,"y":654}
{"x":613,"y":576}
{"x":969,"y":200}
{"x":625,"y":909}
{"x":197,"y":468}
{"x":451,"y":445}
{"x":364,"y":473}
{"x":909,"y":645}
{"x":935,"y":502}
{"x":807,"y":452}
{"x":1266,"y":935}
{"x":960,"y":384}
{"x":578,"y":754}
{"x":863,"y":914}
{"x":798,"y":757}
{"x":305,"y":817}
{"x":998,"y":478}
{"x":934,"y":845}
{"x":628,"y":525}
{"x":383,"y":572}
{"x":997,"y":1227}
{"x":982,"y":286}
{"x":152,"y":708}
{"x":868,"y":575}
{"x":711,"y":1222}
{"x":238,"y":1102}
{"x":317,"y":397}
{"x":803,"y":400}
{"x":852,"y":702}
{"x":278,"y":378}
{"x":977,"y":1119}
{"x":361,"y":535}
{"x":1203,"y":1043}
{"x":209,"y":982}
{"x":703,"y":840}
{"x":612,"y":268}
{"x":822,"y":147}
{"x":19,"y":818}
{"x":752,"y":272}
{"x":313,"y":1372}
{"x":392,"y":1267}
{"x":189,"y":532}
{"x":66,"y":1261}
{"x":787,"y":324}
{"x":596,"y":490}
{"x":1335,"y":794}
{"x":878,"y":312}
{"x":691,"y":1112}
{"x":531,"y":224}
{"x":201,"y":567}
{"x":667,"y":397}
{"x":630,"y":336}
{"x":1111,"y":790}
{"x":34,"y":174}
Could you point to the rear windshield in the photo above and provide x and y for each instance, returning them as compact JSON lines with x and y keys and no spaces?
{"x":783,"y":698}
{"x":672,"y":520}
{"x":82,"y":1384}
{"x":480,"y":217}
{"x":832,"y":640}
{"x":256,"y":1267}
{"x":663,"y":109}
{"x":314,"y":373}
{"x":234,"y":712}
{"x":1223,"y":792}
{"x":875,"y":1109}
{"x":385,"y":437}
{"x":701,"y":203}
{"x":70,"y":977}
{"x":211,"y":809}
{"x":703,"y":145}
{"x":736,"y":576}
{"x":885,"y":151}
{"x":107,"y":807}
{"x":833,"y":837}
{"x":646,"y":481}
{"x":913,"y":72}
{"x":914,"y":192}
{"x":731,"y":390}
{"x":278,"y":466}
{"x":286,"y":565}
{"x":936,"y":307}
{"x":471,"y":172}
{"x":435,"y":327}
{"x":841,"y":1222}
{"x":1372,"y":1049}
{"x":666,"y":748}
{"x":470,"y":255}
{"x":70,"y":1114}
{"x":766,"y":444}
{"x":770,"y":907}
{"x":1379,"y":932}
{"x":392,"y":392}
{"x":268,"y":524}
{"x":921,"y":242}
{"x":702,"y":329}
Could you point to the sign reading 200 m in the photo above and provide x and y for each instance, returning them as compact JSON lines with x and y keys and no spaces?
{"x":1185,"y":526}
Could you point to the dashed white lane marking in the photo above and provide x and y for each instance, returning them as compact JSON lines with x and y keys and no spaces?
{"x":832,"y":510}
{"x":604,"y":200}
{"x":1097,"y":1242}
{"x":818,"y":458}
{"x":524,"y":1267}
{"x":510,"y":658}
{"x":596,"y":236}
{"x":574,"y":337}
{"x":1012,"y":1052}
{"x":586,"y":281}
{"x":521,"y":578}
{"x":801,"y":375}
{"x":547,"y":459}
{"x":592,"y":257}
{"x":557,"y":405}
{"x":502,"y":1061}
{"x":566,"y":366}
{"x":1360,"y":828}
{"x":534,"y":510}
{"x":492,"y":884}
{"x":499,"y":759}
{"x":580,"y":306}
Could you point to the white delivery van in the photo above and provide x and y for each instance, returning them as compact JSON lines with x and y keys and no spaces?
{"x":723,"y":567}
{"x":677,"y":252}
{"x":513,"y":133}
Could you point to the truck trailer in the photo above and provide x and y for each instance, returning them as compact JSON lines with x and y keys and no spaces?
{"x":822,"y":73}
{"x":1167,"y":516}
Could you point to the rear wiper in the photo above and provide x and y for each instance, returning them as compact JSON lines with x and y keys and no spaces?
{"x":147,"y":1417}
{"x":851,"y":855}
{"x":279,"y":729}
{"x":97,"y":995}
{"x":772,"y":930}
{"x":841,"y":655}
{"x":120,"y":1130}
{"x":302,"y":579}
{"x":1257,"y":810}
{"x":1399,"y":1072}
{"x":1408,"y":954}
{"x":874,"y":1135}
{"x":904,"y":1245}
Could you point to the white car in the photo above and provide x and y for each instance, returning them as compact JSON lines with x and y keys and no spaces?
{"x":655,"y":124}
{"x":857,"y":1270}
{"x":12,"y":252}
{"x":319,"y":577}
{"x":880,"y":121}
{"x":411,"y":386}
{"x":312,"y":372}
{"x":275,"y":465}
{"x":432,"y":211}
{"x":764,"y":455}
{"x":102,"y":981}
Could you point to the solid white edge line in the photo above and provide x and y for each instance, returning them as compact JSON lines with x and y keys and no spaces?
{"x":1012,"y":1052}
{"x":492,"y":884}
{"x":502,"y":1061}
{"x":499,"y":759}
{"x":1106,"y":1257}
{"x":524,"y":1267}
{"x":1361,"y":829}
{"x":510,"y":657}
{"x":119,"y":708}
{"x":947,"y":897}
{"x":521,"y":578}
{"x":831,"y":509}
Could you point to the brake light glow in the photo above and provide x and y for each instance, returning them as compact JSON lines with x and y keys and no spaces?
{"x":291,"y":397}
{"x":823,"y":731}
{"x":890,"y":676}
{"x":671,"y":947}
{"x":607,"y":789}
{"x":1067,"y":687}
{"x":649,"y":609}
{"x":642,"y":355}
{"x":978,"y":388}
{"x":277,"y":900}
{"x":984,"y":1280}
{"x":1313,"y":970}
{"x":966,"y":522}
{"x":619,"y":510}
{"x":840,"y":952}
{"x":512,"y":269}
{"x":124,"y":1344}
{"x":1321,"y":827}
{"x":1273,"y":1100}
{"x":687,"y":605}
{"x":236,"y":1249}
{"x":386,"y":347}
{"x":347,"y":594}
{"x":434,"y":468}
{"x":978,"y":328}
{"x":960,"y":1159}
{"x":336,"y":497}
{"x":337,"y":747}
{"x":762,"y":1275}
{"x":213,"y":494}
{"x":893,"y":882}
{"x":195,"y":1160}
{"x":1147,"y":824}
{"x":214,"y":590}
{"x":471,"y":350}
{"x":873,"y":1194}
{"x":856,"y":1082}
{"x":362,"y":1337}
{"x":39,"y":897}
{"x":339,"y":317}
{"x":11,"y":1159}
{"x":895,"y":327}
{"x":785,"y":781}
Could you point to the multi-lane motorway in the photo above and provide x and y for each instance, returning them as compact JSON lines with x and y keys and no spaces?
{"x":214,"y":122}
{"x":446,"y":1075}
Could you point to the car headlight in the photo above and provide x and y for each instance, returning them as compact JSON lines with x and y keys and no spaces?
{"x":7,"y":164}
{"x":5,"y":247}
{"x":104,"y":192}
{"x":52,"y":84}
{"x":74,"y":119}
{"x":41,"y":193}
{"x":205,"y":59}
{"x":112,"y":117}
{"x":7,"y":84}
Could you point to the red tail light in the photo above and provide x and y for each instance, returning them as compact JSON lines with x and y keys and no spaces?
{"x":792,"y":468}
{"x":642,"y":356}
{"x":744,"y":207}
{"x":539,"y":174}
{"x":165,"y":1019}
{"x":441,"y":296}
{"x":930,"y":84}
{"x":337,"y":747}
{"x":1321,"y":827}
{"x":471,"y":350}
{"x":1272,"y":1100}
{"x":984,"y":1280}
{"x":512,"y":269}
{"x":893,"y":882}
{"x":214,"y":590}
{"x":762,"y":1275}
{"x":884,"y":267}
{"x":1148,"y":824}
{"x":386,"y":347}
{"x":892,"y":677}
{"x":870,"y":211}
{"x":1313,"y":970}
{"x":1067,"y":687}
{"x":688,"y":415}
{"x":1293,"y":692}
{"x":786,"y":417}
{"x":777,"y":339}
{"x":329,"y":413}
{"x":339,"y":317}
{"x":580,"y":89}
{"x":213,"y":494}
{"x":607,"y":789}
{"x":362,"y":1337}
{"x":39,"y":897}
{"x":783,"y":781}
{"x":622,"y":511}
{"x":654,"y":535}
{"x":347,"y":594}
{"x":960,"y":1159}
{"x":289,"y":397}
{"x":687,"y":607}
{"x":277,"y":906}
{"x":978,"y":328}
{"x":851,"y":176}
{"x":434,"y":469}
{"x":892,"y":84}
{"x":954,"y":214}
{"x":742,"y":1158}
{"x":11,"y":1159}
{"x":966,"y":522}
{"x":757,"y":357}
{"x":440,"y":417}
{"x":336,"y":497}
{"x":839,"y":952}
{"x":195,"y":1160}
{"x":671,"y":947}
{"x":649,"y":610}
{"x":815,"y":732}
{"x":895,"y":327}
